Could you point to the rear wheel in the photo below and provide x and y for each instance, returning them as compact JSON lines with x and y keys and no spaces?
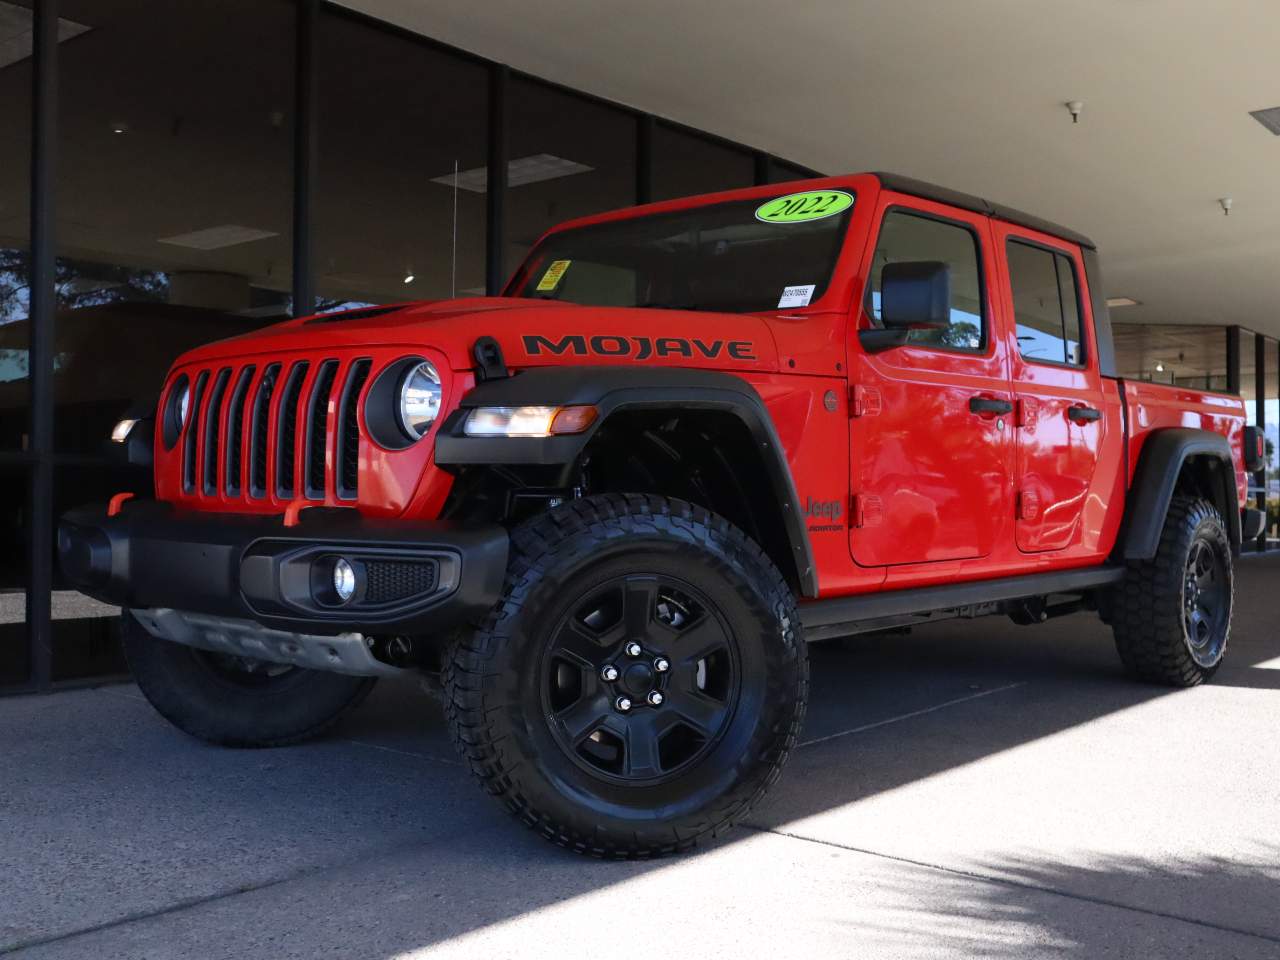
{"x":236,"y":701}
{"x":641,"y":682}
{"x":1172,"y":615}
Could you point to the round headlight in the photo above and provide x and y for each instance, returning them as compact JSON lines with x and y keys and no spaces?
{"x":419,"y":400}
{"x":176,"y":408}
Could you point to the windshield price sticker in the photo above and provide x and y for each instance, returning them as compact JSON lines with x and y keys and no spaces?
{"x":796,"y":296}
{"x":803,"y":207}
{"x":551,"y":279}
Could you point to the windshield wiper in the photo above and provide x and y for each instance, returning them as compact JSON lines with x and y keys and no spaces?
{"x":654,"y":305}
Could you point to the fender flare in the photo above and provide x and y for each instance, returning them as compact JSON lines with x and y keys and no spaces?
{"x":612,"y":389}
{"x":1160,"y":461}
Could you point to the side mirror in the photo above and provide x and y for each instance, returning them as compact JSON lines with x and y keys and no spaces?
{"x":914,"y":295}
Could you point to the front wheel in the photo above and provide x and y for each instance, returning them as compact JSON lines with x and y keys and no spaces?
{"x":1172,"y":615}
{"x":236,"y":701}
{"x":640,"y":683}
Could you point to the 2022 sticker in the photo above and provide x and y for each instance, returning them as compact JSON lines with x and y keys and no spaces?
{"x":803,"y":207}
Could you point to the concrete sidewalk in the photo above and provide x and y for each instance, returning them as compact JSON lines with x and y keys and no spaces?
{"x":973,"y":789}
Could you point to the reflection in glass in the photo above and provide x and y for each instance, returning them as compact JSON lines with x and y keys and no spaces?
{"x":1191,"y":356}
{"x":685,"y":165}
{"x":393,"y":223}
{"x":907,"y":237}
{"x":718,"y":257}
{"x":569,"y":157}
{"x":174,"y":196}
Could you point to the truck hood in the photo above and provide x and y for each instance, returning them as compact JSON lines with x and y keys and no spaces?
{"x":530,"y":332}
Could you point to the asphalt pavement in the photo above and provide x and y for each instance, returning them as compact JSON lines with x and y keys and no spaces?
{"x":973,"y":789}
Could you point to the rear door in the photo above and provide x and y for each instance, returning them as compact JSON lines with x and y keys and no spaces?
{"x":931,"y":454}
{"x":1058,"y":390}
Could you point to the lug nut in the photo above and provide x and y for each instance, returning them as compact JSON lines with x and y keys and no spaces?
{"x":633,"y":649}
{"x":655,"y":698}
{"x":623,"y":704}
{"x":609,"y":672}
{"x":662,"y":665}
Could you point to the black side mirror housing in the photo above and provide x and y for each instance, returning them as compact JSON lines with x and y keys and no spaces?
{"x":914,"y":295}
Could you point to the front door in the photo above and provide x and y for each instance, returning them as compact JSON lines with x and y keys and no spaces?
{"x":1058,"y":391}
{"x":931,"y":424}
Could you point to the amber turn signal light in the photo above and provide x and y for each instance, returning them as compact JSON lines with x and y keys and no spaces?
{"x":572,"y":420}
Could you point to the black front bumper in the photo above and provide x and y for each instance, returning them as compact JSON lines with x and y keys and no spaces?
{"x":413,"y":577}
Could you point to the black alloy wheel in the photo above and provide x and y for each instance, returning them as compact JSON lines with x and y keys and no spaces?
{"x":1206,"y":602}
{"x":641,"y":679}
{"x":640,"y":683}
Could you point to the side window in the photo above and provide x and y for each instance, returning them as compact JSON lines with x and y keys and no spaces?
{"x":1045,"y":304}
{"x":908,"y":236}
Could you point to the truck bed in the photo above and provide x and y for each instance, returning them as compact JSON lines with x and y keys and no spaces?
{"x":1153,"y":406}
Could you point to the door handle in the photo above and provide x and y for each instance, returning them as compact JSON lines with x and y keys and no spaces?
{"x":989,"y":406}
{"x":1083,"y":414}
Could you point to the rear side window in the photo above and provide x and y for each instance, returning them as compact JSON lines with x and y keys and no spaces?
{"x":909,"y":236}
{"x":1046,"y":305}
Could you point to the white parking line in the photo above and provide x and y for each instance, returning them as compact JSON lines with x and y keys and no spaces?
{"x":913,"y":713}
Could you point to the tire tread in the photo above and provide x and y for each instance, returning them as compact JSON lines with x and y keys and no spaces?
{"x":468,"y":703}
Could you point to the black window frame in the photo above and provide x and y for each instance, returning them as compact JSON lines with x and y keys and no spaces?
{"x":1056,"y":253}
{"x":985,"y":342}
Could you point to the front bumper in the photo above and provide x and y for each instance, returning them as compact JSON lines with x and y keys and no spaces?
{"x":413,"y":577}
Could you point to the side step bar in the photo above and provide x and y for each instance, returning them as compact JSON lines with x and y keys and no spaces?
{"x":842,"y":616}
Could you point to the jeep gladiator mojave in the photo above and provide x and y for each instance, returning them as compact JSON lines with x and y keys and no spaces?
{"x":609,"y":507}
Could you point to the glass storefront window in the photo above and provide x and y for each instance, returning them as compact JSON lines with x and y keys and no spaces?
{"x":685,"y":164}
{"x":568,"y":157}
{"x":15,"y":399}
{"x":395,"y":123}
{"x":174,"y":186}
{"x":1249,"y":394}
{"x":781,"y":172}
{"x":15,"y":654}
{"x":15,"y":223}
{"x":1190,"y":356}
{"x":1271,"y":433}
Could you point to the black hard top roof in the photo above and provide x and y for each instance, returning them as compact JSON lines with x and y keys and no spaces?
{"x":930,"y":191}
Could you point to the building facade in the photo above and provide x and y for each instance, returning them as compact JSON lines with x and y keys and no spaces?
{"x":174,"y":173}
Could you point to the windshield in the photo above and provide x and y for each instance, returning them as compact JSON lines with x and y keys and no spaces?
{"x":738,"y":257}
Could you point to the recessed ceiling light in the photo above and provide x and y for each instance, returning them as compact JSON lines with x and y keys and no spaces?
{"x":1123,"y":302}
{"x":1269,"y":118}
{"x":540,"y":166}
{"x":408,"y":277}
{"x":1159,"y":367}
{"x":119,"y":127}
{"x":215,"y":238}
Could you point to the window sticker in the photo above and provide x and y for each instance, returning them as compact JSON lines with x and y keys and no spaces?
{"x":803,"y":207}
{"x":796,"y":296}
{"x":555,"y":273}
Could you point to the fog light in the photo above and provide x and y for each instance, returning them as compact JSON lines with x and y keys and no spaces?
{"x":344,"y":580}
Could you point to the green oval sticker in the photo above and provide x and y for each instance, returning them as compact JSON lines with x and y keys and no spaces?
{"x":802,"y":207}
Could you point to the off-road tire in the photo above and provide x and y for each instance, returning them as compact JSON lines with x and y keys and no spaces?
{"x":214,"y":705}
{"x":1147,"y":611}
{"x":504,"y":731}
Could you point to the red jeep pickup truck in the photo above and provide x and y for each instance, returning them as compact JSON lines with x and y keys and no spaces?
{"x":609,"y":507}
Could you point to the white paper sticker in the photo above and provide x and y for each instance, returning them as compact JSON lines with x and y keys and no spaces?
{"x":797,"y":296}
